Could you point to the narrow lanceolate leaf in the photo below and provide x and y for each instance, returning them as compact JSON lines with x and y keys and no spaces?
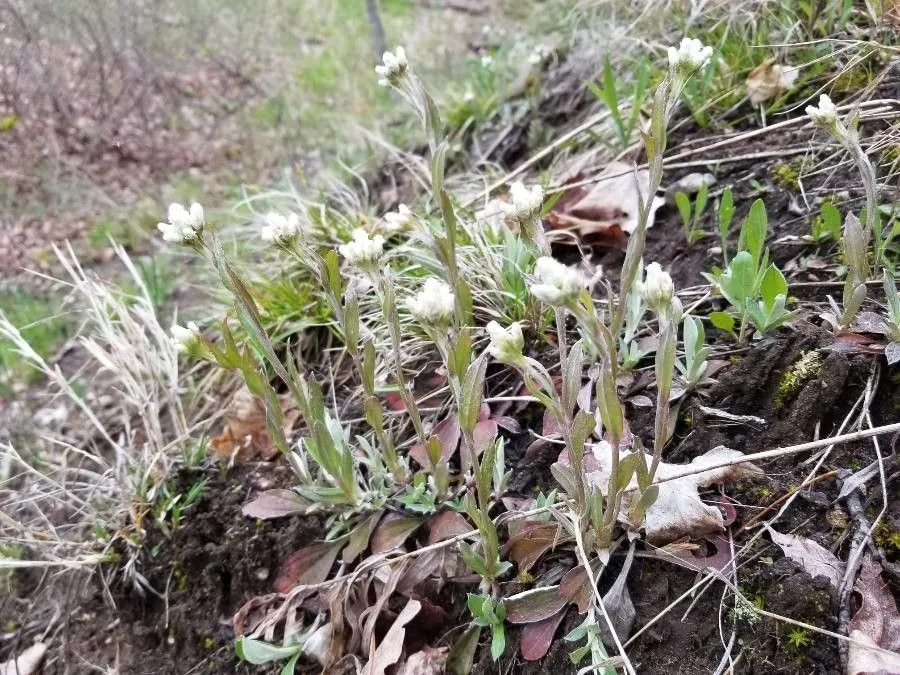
{"x":472,"y":393}
{"x":572,"y":377}
{"x":309,"y":565}
{"x":534,"y":605}
{"x":462,"y":653}
{"x":391,"y":646}
{"x":359,"y":538}
{"x":753,"y":234}
{"x":275,"y":504}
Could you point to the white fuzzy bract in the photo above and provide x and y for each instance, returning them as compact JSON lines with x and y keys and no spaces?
{"x":399,"y":220}
{"x":657,"y":288}
{"x":434,"y":303}
{"x":557,"y":284}
{"x":183,"y":225}
{"x":363,"y":250}
{"x":506,"y":343}
{"x":183,"y":337}
{"x":826,"y":116}
{"x":690,"y":56}
{"x":393,"y":67}
{"x":526,"y":202}
{"x":280,"y":228}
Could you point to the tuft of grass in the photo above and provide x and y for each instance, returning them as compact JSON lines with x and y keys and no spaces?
{"x":40,"y":323}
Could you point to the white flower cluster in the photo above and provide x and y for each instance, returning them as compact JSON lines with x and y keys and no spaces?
{"x":433,"y":305}
{"x":525,"y":207}
{"x":183,"y":225}
{"x":184,"y":337}
{"x":280,"y":228}
{"x":361,"y":250}
{"x":658,"y":291}
{"x":506,"y":343}
{"x":393,"y":68}
{"x":399,"y":220}
{"x":826,"y":116}
{"x":689,"y":57}
{"x":558,"y":284}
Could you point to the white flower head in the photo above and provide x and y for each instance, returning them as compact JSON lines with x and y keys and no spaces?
{"x":558,"y":284}
{"x":487,"y":61}
{"x":526,"y":202}
{"x":689,"y":57}
{"x":361,"y":250}
{"x":826,"y":116}
{"x":658,"y":288}
{"x":183,"y":225}
{"x":506,"y":343}
{"x":393,"y":68}
{"x":433,"y":305}
{"x":399,"y":220}
{"x":280,"y":228}
{"x":183,"y":338}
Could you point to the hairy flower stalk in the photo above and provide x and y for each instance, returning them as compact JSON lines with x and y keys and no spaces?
{"x":856,"y":239}
{"x":659,"y":294}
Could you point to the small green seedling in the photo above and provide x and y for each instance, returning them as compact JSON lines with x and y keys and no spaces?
{"x":609,"y":95}
{"x":691,"y":214}
{"x":489,"y":615}
{"x":755,"y":288}
{"x":724,"y":217}
{"x":693,"y":368}
{"x":827,"y":225}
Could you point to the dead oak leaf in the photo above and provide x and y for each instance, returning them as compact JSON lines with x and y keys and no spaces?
{"x":611,"y":206}
{"x":678,"y":510}
{"x":876,"y":624}
{"x":770,"y":80}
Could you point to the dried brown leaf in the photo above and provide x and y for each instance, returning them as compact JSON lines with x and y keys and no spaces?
{"x":770,"y":80}
{"x":815,"y":559}
{"x":359,"y":538}
{"x":428,"y":661}
{"x":877,"y":624}
{"x":245,"y":436}
{"x":612,"y":204}
{"x":445,"y":525}
{"x":388,"y":652}
{"x":678,"y":511}
{"x":275,"y":504}
{"x":531,"y":541}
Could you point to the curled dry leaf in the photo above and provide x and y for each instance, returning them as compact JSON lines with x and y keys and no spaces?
{"x":678,"y":511}
{"x":245,"y":437}
{"x":611,"y":207}
{"x":815,"y":559}
{"x":876,"y":624}
{"x":276,"y":503}
{"x":689,"y":556}
{"x":770,"y":80}
{"x":388,"y":652}
{"x":27,"y":663}
{"x":618,"y":605}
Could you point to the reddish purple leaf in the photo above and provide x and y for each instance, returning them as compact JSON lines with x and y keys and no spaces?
{"x":574,"y":587}
{"x":392,"y":531}
{"x":534,"y":605}
{"x":447,"y":432}
{"x":484,"y":434}
{"x":508,"y":423}
{"x":309,"y":565}
{"x":445,"y":525}
{"x":537,"y":637}
{"x":531,"y":541}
